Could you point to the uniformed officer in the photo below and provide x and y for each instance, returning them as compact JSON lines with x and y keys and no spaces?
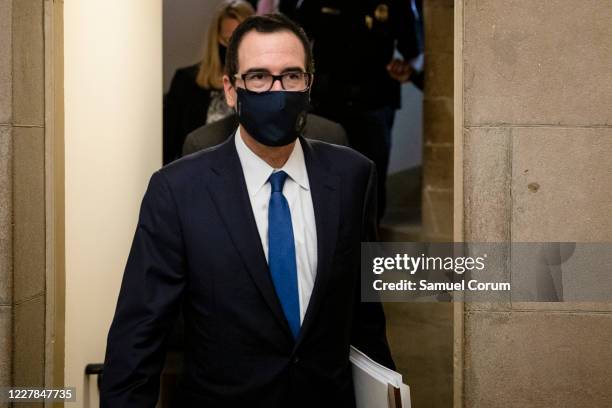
{"x":357,"y":82}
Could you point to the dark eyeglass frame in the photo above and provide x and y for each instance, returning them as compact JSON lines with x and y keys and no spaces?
{"x":309,"y":76}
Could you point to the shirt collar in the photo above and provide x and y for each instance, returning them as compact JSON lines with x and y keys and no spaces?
{"x":257,"y":171}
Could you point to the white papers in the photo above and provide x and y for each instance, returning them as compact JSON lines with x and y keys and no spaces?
{"x":374,"y":383}
{"x":405,"y":393}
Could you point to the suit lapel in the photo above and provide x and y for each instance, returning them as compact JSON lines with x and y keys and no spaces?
{"x":324,"y":188}
{"x":228,"y":190}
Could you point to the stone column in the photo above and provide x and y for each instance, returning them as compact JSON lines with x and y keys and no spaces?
{"x":421,"y":334}
{"x":536,"y":163}
{"x":22,"y":197}
{"x":437,"y":205}
{"x":6,"y":195}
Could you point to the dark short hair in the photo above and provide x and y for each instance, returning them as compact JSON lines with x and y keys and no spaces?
{"x":269,"y":23}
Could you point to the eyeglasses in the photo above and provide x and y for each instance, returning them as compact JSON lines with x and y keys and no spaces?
{"x":294,"y":81}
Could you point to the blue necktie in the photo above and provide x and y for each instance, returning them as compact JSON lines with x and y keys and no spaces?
{"x":281,"y":252}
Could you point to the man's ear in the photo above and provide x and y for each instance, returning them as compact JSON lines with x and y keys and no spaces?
{"x":230,"y":92}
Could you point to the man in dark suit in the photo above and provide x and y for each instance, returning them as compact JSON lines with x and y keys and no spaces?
{"x":206,"y":136}
{"x":259,"y":239}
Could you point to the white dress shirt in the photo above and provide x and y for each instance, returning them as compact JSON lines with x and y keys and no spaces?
{"x":297,"y":192}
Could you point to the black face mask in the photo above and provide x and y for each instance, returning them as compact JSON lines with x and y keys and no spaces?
{"x":222,"y":53}
{"x":273,"y":118}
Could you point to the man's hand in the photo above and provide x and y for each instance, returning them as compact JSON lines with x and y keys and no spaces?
{"x":399,"y":70}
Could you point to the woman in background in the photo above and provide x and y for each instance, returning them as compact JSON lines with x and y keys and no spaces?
{"x":196,"y":97}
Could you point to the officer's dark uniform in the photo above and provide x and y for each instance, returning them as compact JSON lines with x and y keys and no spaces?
{"x":353,"y":41}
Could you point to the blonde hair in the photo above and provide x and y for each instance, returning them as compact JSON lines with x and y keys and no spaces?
{"x":210,"y":75}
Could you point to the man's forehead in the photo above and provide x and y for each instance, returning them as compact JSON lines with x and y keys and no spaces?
{"x":270,"y":50}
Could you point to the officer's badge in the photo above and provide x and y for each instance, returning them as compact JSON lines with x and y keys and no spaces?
{"x":382,"y":13}
{"x":369,"y":21}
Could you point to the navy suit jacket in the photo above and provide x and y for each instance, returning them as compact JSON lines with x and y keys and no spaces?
{"x":197,"y":244}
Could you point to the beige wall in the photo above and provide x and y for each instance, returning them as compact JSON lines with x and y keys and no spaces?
{"x":535,"y":96}
{"x":113,"y":87}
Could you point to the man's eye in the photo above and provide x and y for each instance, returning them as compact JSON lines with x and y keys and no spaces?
{"x":257,"y":76}
{"x":294,"y":76}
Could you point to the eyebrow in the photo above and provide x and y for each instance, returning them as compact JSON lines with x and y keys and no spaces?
{"x":265,"y":70}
